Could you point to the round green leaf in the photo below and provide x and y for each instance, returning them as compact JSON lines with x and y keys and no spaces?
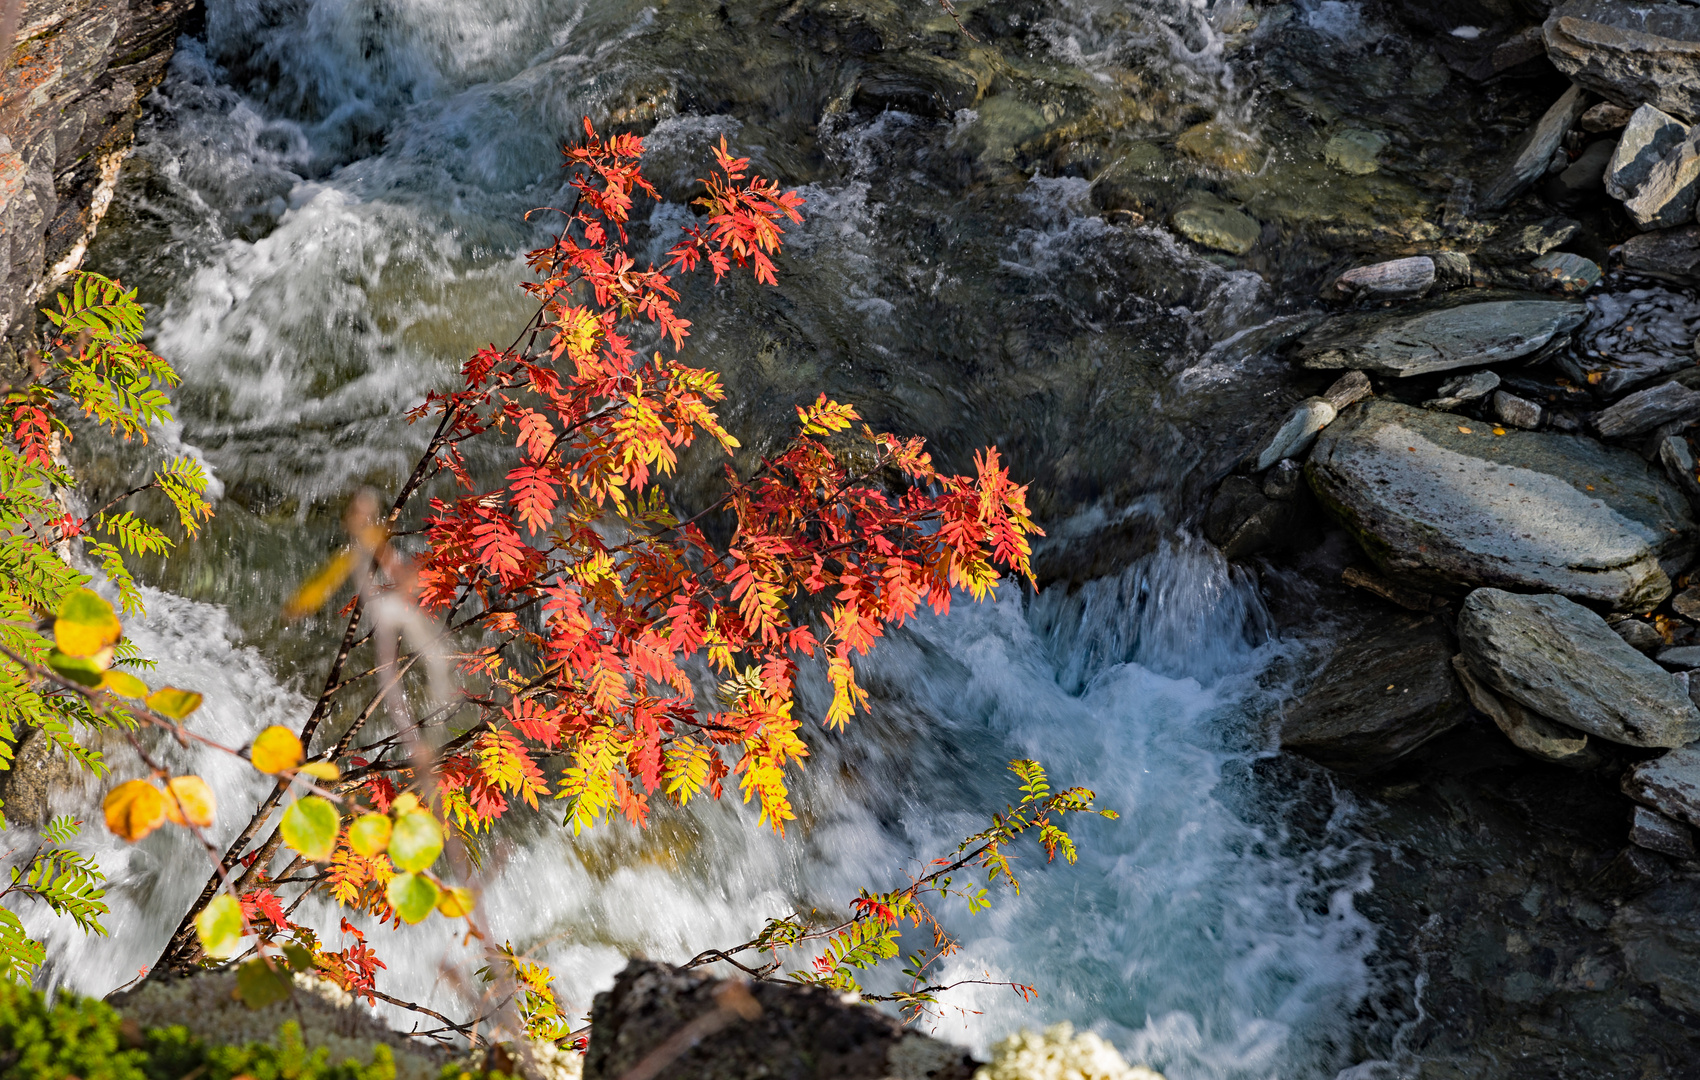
{"x":174,"y":703}
{"x":124,"y":684}
{"x":79,"y":669}
{"x":85,"y":624}
{"x":220,"y":927}
{"x":259,"y":983}
{"x":412,"y":896}
{"x":416,"y":842}
{"x":299,"y":957}
{"x":370,"y":834}
{"x":310,"y":826}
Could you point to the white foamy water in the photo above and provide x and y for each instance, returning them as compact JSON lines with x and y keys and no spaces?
{"x":344,"y":228}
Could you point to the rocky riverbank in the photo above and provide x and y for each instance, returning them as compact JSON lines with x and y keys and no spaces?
{"x":1494,"y":488}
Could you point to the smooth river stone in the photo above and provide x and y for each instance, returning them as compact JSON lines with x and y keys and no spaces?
{"x":1560,"y":660}
{"x":1402,"y":343}
{"x":1437,"y":507}
{"x":1631,"y":53}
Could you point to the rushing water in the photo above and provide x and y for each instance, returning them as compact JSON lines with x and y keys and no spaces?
{"x":326,"y":214}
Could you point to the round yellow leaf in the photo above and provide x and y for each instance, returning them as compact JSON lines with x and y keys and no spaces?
{"x":219,"y":926}
{"x":85,"y":624}
{"x":370,"y":834}
{"x":455,"y":902}
{"x":133,"y":809}
{"x":189,"y":801}
{"x":321,"y":770}
{"x":415,"y":842}
{"x":171,"y":702}
{"x":412,"y":895}
{"x":275,"y":750}
{"x":124,"y":684}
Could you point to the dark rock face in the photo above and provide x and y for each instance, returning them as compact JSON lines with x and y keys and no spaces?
{"x":69,"y":100}
{"x":798,"y":1033}
{"x":37,"y":769}
{"x":1632,"y":54}
{"x":1407,"y":342}
{"x":1560,"y":660}
{"x":1442,"y":504}
{"x":1660,"y":937}
{"x":1537,"y":150}
{"x":1380,"y":696}
{"x":1673,"y":254}
{"x":1669,"y":784}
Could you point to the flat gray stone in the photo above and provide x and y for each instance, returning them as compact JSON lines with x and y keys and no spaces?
{"x":1687,"y":603}
{"x":1560,"y":660}
{"x":1647,"y":409}
{"x":1630,"y":53}
{"x":1404,"y":343}
{"x":1536,"y":238}
{"x":1536,"y":153}
{"x":1388,"y":280}
{"x":1672,"y":254}
{"x":1680,"y":657}
{"x":1464,"y":389}
{"x":1650,"y":135}
{"x":1379,"y":696}
{"x":1655,"y":832}
{"x":1437,"y":507}
{"x":1534,"y":735}
{"x":1515,"y":411}
{"x":1669,"y":784}
{"x":1640,"y":636}
{"x":1566,"y":272}
{"x":1666,"y":199}
{"x":1297,"y":432}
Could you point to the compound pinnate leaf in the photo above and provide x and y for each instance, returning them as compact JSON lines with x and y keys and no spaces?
{"x":455,"y":902}
{"x":415,"y":842}
{"x":124,"y":684}
{"x":84,"y":670}
{"x":220,"y":927}
{"x":261,"y":982}
{"x":275,"y":750}
{"x":133,"y":809}
{"x":189,"y":801}
{"x":370,"y":834}
{"x":169,"y":701}
{"x":413,"y":896}
{"x":85,"y":624}
{"x":310,"y":826}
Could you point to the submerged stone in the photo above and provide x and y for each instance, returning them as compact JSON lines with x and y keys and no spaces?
{"x":1403,"y":343}
{"x":1440,"y":504}
{"x":1220,"y":227}
{"x":1560,"y":660}
{"x":1566,"y":272}
{"x":1393,"y":279}
{"x":1355,"y":152}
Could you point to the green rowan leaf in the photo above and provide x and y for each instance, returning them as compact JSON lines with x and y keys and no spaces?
{"x":310,"y":826}
{"x":219,"y":926}
{"x":416,"y":842}
{"x":413,"y":896}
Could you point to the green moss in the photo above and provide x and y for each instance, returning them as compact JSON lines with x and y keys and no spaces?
{"x":85,"y":1038}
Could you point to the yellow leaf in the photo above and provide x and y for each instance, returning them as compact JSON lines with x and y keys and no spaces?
{"x":370,"y":834}
{"x":133,"y":809}
{"x":85,"y":624}
{"x":310,"y":826}
{"x":322,"y":770}
{"x":405,"y":803}
{"x":455,"y":902}
{"x":313,"y":593}
{"x":220,"y":927}
{"x":1464,"y":429}
{"x":174,"y":703}
{"x":189,"y":801}
{"x":124,"y":684}
{"x":275,"y":750}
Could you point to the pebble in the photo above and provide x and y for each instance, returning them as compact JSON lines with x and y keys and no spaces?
{"x":1348,"y":389}
{"x":1604,"y":117}
{"x":1391,"y":280}
{"x":1687,"y":603}
{"x":1515,"y":411}
{"x":1568,"y":273}
{"x":1355,"y":152}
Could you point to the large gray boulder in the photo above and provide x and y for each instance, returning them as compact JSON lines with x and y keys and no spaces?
{"x":1666,"y":198}
{"x":1534,"y":735}
{"x":1651,"y":135}
{"x":1631,"y":53}
{"x":1562,"y":661}
{"x":1414,"y":341}
{"x":1441,"y":505}
{"x":1379,"y":696}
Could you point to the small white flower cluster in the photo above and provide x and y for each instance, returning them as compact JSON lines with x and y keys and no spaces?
{"x":1060,"y":1054}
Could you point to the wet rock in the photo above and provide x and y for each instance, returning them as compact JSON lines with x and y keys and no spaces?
{"x":1687,"y":603}
{"x":1645,"y":410}
{"x":1650,"y":135}
{"x":1604,"y":117}
{"x":1355,"y":152}
{"x":1566,"y":272}
{"x":38,"y":769}
{"x":1678,"y":461}
{"x":1537,"y":150}
{"x":1634,"y":871}
{"x":1297,"y":432}
{"x":1528,"y":241}
{"x":1348,"y":389}
{"x":1217,"y":226}
{"x":1516,"y":412}
{"x":1378,"y":697}
{"x":1214,"y":143}
{"x":1680,"y":657}
{"x":1463,"y":389}
{"x":1534,"y":735}
{"x":1409,"y":599}
{"x":1387,"y":280}
{"x":1655,"y":832}
{"x":1404,"y":343}
{"x":1673,"y":254}
{"x":1560,"y":660}
{"x":1666,"y":199}
{"x":765,"y":1030}
{"x":1284,"y":480}
{"x":1439,"y":507}
{"x":1452,"y":268}
{"x":1631,"y":337}
{"x":1640,"y":636}
{"x":1632,"y":54}
{"x":1584,"y":177}
{"x":1242,"y":521}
